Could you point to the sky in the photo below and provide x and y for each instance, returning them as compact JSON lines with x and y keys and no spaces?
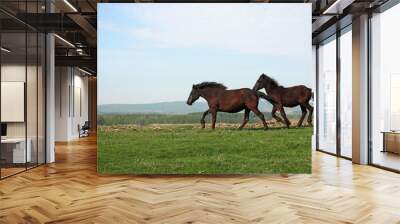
{"x":150,"y":53}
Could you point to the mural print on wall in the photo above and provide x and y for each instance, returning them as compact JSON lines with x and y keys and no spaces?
{"x":204,"y":88}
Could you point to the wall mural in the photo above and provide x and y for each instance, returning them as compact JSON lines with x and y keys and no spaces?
{"x":204,"y":89}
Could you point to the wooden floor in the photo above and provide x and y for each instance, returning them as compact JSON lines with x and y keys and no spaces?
{"x":70,"y":191}
{"x":8,"y":171}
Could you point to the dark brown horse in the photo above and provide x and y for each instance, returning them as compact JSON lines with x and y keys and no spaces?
{"x":286,"y":97}
{"x":223,"y":100}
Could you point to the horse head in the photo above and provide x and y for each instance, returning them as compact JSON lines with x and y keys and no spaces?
{"x":194,"y":95}
{"x":265,"y":81}
{"x":196,"y":90}
{"x":260,"y":82}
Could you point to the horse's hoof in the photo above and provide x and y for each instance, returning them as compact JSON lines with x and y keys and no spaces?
{"x":203,"y":125}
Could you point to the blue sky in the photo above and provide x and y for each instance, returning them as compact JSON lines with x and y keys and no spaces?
{"x":154,"y":52}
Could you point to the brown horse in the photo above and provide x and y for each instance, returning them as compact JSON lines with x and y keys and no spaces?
{"x":223,"y":100}
{"x":286,"y":97}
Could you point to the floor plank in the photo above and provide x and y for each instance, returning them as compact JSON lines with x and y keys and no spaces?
{"x":70,"y":191}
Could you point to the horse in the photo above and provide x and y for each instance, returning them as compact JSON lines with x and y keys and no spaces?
{"x":220,"y":99}
{"x":286,"y":97}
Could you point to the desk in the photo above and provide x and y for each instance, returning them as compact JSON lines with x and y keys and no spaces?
{"x":391,"y":141}
{"x":17,"y":150}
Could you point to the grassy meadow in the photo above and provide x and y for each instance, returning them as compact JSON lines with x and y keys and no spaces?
{"x":188,"y":149}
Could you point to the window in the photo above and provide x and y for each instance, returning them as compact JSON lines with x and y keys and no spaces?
{"x":346,"y":93}
{"x":327,"y":96}
{"x":385,"y":89}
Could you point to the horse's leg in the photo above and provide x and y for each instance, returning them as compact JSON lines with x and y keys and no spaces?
{"x":246,"y":117}
{"x":202,"y":121}
{"x":303,"y":115}
{"x":310,"y":113}
{"x":276,"y":117}
{"x":261,"y":116}
{"x":280,"y":107}
{"x":214,"y":118}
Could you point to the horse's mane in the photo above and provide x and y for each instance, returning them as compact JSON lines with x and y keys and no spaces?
{"x":271,"y":80}
{"x":211,"y":85}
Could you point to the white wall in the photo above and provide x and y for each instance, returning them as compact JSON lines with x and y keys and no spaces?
{"x":9,"y":73}
{"x":70,"y":83}
{"x":33,"y":126}
{"x":62,"y":82}
{"x":17,"y":73}
{"x":80,"y":109}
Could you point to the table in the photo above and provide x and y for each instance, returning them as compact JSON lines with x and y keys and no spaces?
{"x":391,"y":141}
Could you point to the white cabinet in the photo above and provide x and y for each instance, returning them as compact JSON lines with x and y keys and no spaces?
{"x":19,"y":155}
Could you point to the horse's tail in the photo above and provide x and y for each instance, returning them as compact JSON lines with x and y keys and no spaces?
{"x":264,"y":96}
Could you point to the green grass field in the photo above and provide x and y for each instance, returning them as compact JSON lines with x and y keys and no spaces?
{"x":187,"y":149}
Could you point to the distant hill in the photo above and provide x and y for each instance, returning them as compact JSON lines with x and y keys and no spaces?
{"x":176,"y":107}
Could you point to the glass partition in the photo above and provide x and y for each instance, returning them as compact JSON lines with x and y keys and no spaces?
{"x":13,"y":94}
{"x":385,"y":89}
{"x":22,"y":77}
{"x":327,"y":96}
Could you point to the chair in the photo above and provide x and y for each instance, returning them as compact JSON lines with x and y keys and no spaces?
{"x":84,"y":130}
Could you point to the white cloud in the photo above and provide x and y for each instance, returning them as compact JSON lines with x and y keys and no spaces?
{"x":271,"y":29}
